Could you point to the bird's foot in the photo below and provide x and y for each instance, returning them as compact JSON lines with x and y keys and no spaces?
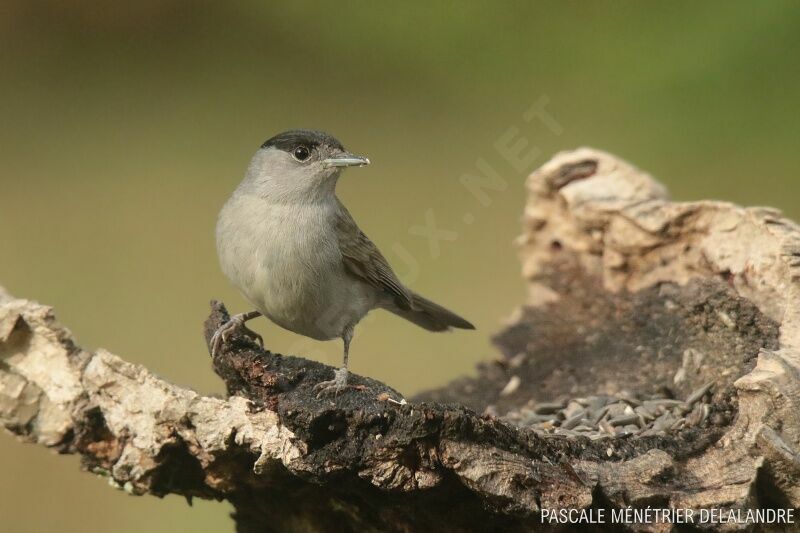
{"x":225,"y":331}
{"x":334,"y":386}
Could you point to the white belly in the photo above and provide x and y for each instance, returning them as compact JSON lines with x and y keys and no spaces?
{"x":286,"y":261}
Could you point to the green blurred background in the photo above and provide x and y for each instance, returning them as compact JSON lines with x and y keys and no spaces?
{"x":126,"y":125}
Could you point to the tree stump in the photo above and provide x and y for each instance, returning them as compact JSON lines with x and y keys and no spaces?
{"x":654,"y":365}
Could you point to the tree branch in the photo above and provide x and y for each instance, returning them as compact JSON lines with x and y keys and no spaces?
{"x":656,"y":363}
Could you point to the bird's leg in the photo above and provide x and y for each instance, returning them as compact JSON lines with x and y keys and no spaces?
{"x":236,"y":323}
{"x":339,"y":380}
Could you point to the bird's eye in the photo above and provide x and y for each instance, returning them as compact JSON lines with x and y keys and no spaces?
{"x":301,"y":153}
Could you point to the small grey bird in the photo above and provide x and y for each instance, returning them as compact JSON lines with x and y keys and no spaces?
{"x":289,"y":245}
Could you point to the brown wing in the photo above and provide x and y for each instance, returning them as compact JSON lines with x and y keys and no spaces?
{"x":364,"y":261}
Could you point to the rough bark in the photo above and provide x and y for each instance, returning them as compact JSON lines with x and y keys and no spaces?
{"x":632,"y":297}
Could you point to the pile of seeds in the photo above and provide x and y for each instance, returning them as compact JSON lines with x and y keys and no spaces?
{"x":600,"y":417}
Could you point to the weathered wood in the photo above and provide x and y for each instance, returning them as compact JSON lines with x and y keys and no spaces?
{"x":632,"y":299}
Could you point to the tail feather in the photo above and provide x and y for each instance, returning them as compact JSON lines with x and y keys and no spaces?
{"x":431,"y":316}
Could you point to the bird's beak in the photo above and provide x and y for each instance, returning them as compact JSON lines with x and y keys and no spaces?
{"x":345,"y":160}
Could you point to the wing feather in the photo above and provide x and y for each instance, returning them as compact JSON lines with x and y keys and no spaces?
{"x":364,"y":261}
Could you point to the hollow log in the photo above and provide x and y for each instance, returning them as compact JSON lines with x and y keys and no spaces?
{"x":653,"y":364}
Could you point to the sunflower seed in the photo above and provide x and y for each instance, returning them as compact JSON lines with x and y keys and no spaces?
{"x":573,"y":408}
{"x":699,"y":393}
{"x":547,"y":408}
{"x":623,"y":416}
{"x":663,"y":402}
{"x":573,"y":421}
{"x":624,"y":420}
{"x":645,"y":413}
{"x":599,"y":415}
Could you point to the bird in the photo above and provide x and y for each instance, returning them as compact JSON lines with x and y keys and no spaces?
{"x":293,"y":250}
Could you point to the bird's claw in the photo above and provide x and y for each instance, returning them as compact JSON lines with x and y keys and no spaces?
{"x":334,"y":386}
{"x":253,"y":335}
{"x":224,"y":332}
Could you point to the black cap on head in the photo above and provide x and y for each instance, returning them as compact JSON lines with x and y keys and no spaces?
{"x":289,"y":140}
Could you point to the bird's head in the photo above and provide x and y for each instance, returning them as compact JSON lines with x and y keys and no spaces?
{"x":299,"y":165}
